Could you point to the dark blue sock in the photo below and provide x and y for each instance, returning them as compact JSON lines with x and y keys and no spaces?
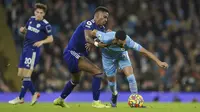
{"x":25,"y":86}
{"x":96,"y":84}
{"x":67,"y":90}
{"x":32,"y":88}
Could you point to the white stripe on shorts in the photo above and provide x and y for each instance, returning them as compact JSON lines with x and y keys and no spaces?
{"x":33,"y":60}
{"x":127,"y":56}
{"x":76,"y":55}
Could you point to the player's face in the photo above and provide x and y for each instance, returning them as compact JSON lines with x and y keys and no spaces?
{"x":120,"y":43}
{"x":39,"y":14}
{"x":102,"y":18}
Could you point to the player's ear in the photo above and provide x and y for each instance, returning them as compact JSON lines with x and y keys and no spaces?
{"x":124,"y":43}
{"x":44,"y":13}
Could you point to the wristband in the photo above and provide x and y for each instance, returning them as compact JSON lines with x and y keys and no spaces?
{"x":96,"y":44}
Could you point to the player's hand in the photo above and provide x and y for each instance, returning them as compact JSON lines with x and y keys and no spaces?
{"x":108,"y":30}
{"x":22,"y":30}
{"x":89,"y":46}
{"x":163,"y":65}
{"x":38,"y":44}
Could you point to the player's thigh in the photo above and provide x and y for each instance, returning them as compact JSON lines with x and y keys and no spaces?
{"x":109,"y":66}
{"x":20,"y":71}
{"x":27,"y":72}
{"x":28,"y":60}
{"x":125,"y":64}
{"x":112,"y":78}
{"x":86,"y":65}
{"x":71,"y":59}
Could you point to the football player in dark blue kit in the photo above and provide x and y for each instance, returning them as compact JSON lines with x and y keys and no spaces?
{"x":75,"y":57}
{"x":37,"y":32}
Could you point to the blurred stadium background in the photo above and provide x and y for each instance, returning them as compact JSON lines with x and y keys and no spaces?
{"x":168,"y":28}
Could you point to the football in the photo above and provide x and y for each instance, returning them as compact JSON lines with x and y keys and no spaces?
{"x":135,"y":100}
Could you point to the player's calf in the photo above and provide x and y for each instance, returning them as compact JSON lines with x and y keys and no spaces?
{"x":132,"y":84}
{"x":113,"y":88}
{"x":35,"y":98}
{"x":68,"y":88}
{"x":114,"y":100}
{"x":96,"y":84}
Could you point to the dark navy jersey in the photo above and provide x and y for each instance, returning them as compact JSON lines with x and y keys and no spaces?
{"x":77,"y":41}
{"x":36,"y":31}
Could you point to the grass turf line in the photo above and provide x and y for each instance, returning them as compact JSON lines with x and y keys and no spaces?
{"x":81,"y":107}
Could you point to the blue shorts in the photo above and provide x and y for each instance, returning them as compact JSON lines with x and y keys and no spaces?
{"x":110,"y":65}
{"x":29,"y":58}
{"x":71,"y":58}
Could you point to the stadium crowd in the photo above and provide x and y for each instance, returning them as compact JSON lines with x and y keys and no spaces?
{"x":168,"y":28}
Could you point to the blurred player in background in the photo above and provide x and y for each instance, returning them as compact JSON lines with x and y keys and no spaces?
{"x":116,"y":55}
{"x":75,"y":57}
{"x":37,"y":32}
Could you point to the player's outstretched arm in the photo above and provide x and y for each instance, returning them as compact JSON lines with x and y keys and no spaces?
{"x":90,"y":35}
{"x":49,"y":39}
{"x":153,"y":57}
{"x":98,"y":43}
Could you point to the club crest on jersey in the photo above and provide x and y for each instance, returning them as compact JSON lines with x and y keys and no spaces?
{"x":123,"y":49}
{"x":99,"y":36}
{"x":38,"y":25}
{"x":30,"y":22}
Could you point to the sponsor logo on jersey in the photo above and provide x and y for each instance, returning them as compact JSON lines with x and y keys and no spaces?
{"x":33,"y":29}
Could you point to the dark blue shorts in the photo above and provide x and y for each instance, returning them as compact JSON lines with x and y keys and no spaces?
{"x":71,"y":58}
{"x":29,"y":58}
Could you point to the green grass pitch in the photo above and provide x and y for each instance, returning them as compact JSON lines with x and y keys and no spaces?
{"x":86,"y":107}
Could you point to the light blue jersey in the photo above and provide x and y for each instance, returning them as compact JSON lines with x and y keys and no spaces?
{"x":115,"y":56}
{"x":115,"y":50}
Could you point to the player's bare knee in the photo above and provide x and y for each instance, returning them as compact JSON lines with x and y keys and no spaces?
{"x":19,"y":74}
{"x":111,"y":79}
{"x":100,"y":75}
{"x":96,"y":70}
{"x":75,"y":82}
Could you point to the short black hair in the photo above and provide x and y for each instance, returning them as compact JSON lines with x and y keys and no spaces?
{"x":120,"y":34}
{"x":101,"y":8}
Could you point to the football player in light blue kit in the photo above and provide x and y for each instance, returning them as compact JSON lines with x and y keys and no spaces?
{"x":37,"y":32}
{"x":116,"y":55}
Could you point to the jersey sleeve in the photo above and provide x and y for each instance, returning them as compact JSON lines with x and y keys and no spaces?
{"x":88,"y":25}
{"x":48,"y":29}
{"x":133,"y":45}
{"x":105,"y":37}
{"x":27,"y":23}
